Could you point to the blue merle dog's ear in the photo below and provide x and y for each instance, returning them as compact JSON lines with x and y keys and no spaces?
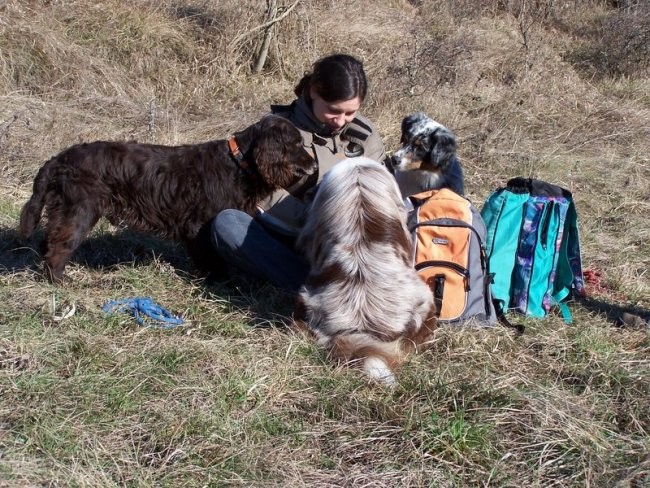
{"x":444,"y":147}
{"x":408,"y":123}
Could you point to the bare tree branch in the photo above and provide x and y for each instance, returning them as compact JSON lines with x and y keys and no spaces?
{"x":239,"y":38}
{"x":264,"y":50}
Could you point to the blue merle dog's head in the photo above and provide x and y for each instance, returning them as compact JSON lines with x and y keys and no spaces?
{"x":425,"y":144}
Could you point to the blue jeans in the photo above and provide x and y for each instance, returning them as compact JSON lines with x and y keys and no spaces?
{"x":244,"y":243}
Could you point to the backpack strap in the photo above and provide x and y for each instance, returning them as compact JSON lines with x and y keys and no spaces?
{"x":566,"y":313}
{"x":438,"y":292}
{"x":573,"y":250}
{"x":569,"y":276}
{"x":501,"y":317}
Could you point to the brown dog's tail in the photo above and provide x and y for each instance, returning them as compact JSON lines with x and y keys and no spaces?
{"x":30,"y":215}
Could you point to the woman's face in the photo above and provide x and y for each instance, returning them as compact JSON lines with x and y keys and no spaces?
{"x":335,"y":115}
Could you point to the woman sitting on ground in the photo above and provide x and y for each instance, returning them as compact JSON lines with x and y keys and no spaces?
{"x":326,"y":112}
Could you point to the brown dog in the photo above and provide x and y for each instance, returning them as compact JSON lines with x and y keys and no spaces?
{"x":172,"y":191}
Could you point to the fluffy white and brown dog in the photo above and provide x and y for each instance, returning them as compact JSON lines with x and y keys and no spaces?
{"x":426,"y":159}
{"x":363,"y":300}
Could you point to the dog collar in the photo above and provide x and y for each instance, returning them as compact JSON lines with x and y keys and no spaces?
{"x":237,"y":155}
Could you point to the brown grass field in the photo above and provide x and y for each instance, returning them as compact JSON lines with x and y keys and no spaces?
{"x":553,"y":90}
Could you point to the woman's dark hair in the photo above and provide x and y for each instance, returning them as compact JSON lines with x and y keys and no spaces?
{"x":336,"y":77}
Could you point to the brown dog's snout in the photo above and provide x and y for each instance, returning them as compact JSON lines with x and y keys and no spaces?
{"x":311,"y":165}
{"x":308,"y":166}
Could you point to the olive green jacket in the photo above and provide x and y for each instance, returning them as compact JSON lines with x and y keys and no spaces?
{"x":285,"y":210}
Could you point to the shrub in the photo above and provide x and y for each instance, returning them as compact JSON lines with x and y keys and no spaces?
{"x":619,"y":46}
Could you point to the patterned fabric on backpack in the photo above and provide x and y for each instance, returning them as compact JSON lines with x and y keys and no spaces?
{"x":533,"y":246}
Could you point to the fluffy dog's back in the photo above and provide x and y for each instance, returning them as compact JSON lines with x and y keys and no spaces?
{"x":363,"y":299}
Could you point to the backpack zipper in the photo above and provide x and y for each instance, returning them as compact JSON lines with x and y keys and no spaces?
{"x":464,"y":272}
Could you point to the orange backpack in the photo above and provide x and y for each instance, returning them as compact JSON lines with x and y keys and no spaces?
{"x":448,"y":236}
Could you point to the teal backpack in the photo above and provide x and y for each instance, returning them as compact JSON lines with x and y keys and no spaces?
{"x":533,"y":247}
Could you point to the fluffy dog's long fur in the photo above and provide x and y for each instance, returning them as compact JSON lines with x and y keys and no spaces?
{"x":172,"y":191}
{"x":363,"y":300}
{"x":427,"y":158}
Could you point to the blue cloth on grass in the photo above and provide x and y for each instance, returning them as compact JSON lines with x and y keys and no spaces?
{"x":145,"y":311}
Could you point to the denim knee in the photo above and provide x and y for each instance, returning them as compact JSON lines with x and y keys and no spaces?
{"x":229,"y":229}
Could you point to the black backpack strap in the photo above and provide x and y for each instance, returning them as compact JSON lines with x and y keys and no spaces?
{"x":501,"y":317}
{"x":438,"y":292}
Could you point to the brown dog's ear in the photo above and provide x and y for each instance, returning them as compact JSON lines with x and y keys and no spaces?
{"x":271,"y":159}
{"x":278,"y":153}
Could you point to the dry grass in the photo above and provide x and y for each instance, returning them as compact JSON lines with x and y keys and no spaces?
{"x":553,"y":90}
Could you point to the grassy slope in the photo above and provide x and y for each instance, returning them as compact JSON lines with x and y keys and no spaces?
{"x":235,"y":399}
